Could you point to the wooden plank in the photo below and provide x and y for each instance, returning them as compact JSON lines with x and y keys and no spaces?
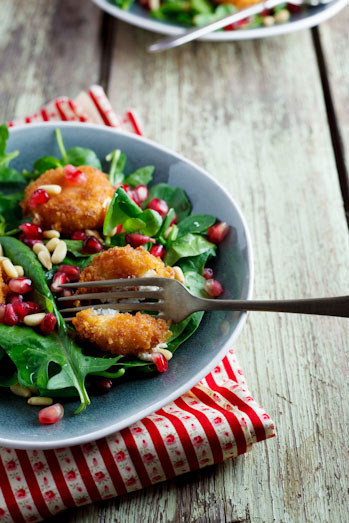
{"x":253,"y":115}
{"x":47,"y":49}
{"x":334,"y":38}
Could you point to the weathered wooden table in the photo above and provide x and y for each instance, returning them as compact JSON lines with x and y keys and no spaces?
{"x":269,"y":119}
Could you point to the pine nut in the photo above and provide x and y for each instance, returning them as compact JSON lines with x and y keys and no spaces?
{"x":113,"y":232}
{"x":17,"y":389}
{"x":2,"y":258}
{"x":20,"y":270}
{"x":166,"y":353}
{"x":282,"y":16}
{"x":9,"y":268}
{"x":52,"y":244}
{"x":39,"y":401}
{"x":1,"y":250}
{"x":268,"y":21}
{"x":38,"y":247}
{"x":179,"y":276}
{"x":52,"y":190}
{"x":94,"y":233}
{"x":167,"y":232}
{"x":45,"y":259}
{"x":52,"y":233}
{"x":59,"y":253}
{"x":32,"y":320}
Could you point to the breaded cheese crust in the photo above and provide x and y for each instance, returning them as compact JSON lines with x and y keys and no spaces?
{"x":121,"y":333}
{"x":3,"y":287}
{"x":76,"y":207}
{"x":124,"y":262}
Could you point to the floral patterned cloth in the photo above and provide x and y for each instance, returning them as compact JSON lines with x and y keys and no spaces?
{"x":216,"y":420}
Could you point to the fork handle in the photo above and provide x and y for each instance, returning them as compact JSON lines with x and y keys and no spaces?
{"x":338,"y":306}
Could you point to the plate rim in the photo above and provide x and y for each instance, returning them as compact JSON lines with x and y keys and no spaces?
{"x":164,"y":28}
{"x":106,"y":431}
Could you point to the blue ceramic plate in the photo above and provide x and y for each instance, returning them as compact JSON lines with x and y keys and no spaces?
{"x":311,"y":17}
{"x":132,"y":400}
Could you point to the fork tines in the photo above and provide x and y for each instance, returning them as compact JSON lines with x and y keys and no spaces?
{"x":114,"y":294}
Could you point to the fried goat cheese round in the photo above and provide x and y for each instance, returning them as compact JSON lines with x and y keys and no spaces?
{"x":76,"y":207}
{"x":3,"y":287}
{"x":124,"y":262}
{"x":119,"y":333}
{"x":122,"y":333}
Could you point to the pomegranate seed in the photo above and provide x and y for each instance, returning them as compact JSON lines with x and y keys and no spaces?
{"x":140,"y":193}
{"x":217,"y":233}
{"x":13,"y":297}
{"x":33,"y":307}
{"x":57,"y":281}
{"x":213,"y":288}
{"x":293,"y":8}
{"x":74,"y":176}
{"x":208,"y":273}
{"x":51,"y":414}
{"x":29,"y":241}
{"x":160,"y":361}
{"x":78,"y":235}
{"x":91,"y":245}
{"x":159,"y":205}
{"x":102,"y":386}
{"x":32,"y":231}
{"x":20,"y":285}
{"x":39,"y":196}
{"x":71,"y":271}
{"x":21,"y":309}
{"x":48,"y":323}
{"x":10,"y":317}
{"x":136,"y":239}
{"x":158,"y":251}
{"x":2,"y":312}
{"x":119,"y":229}
{"x":174,"y":220}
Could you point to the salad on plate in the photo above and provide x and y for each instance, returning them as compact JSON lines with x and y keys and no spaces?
{"x":67,"y":221}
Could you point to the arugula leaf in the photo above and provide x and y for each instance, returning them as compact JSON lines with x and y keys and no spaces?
{"x":142,"y":176}
{"x":188,"y":245}
{"x":118,"y":161}
{"x":195,"y":223}
{"x":34,"y":356}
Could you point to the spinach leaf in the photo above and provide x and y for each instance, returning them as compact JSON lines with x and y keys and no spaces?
{"x":142,"y":176}
{"x":196,"y":284}
{"x":196,"y":223}
{"x":188,"y":245}
{"x":45,"y":163}
{"x":162,"y":191}
{"x":153,"y":222}
{"x":5,"y":158}
{"x":10,"y":210}
{"x":192,"y":323}
{"x":220,"y":12}
{"x":20,"y":254}
{"x":180,"y":203}
{"x":196,"y":263}
{"x":118,"y":161}
{"x":35,"y":355}
{"x":81,"y":156}
{"x":8,"y":175}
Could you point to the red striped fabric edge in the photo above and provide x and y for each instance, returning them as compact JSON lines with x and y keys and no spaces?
{"x":58,"y":477}
{"x":60,"y":111}
{"x":135,"y":122}
{"x":85,"y":473}
{"x":33,"y":485}
{"x":208,"y":429}
{"x":233,"y":421}
{"x":244,"y":407}
{"x":99,"y":108}
{"x":9,"y":497}
{"x":136,"y":457}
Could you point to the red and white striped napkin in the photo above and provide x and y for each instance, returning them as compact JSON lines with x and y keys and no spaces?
{"x":216,"y":420}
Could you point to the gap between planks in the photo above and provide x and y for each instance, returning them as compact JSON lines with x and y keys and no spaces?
{"x":336,"y":138}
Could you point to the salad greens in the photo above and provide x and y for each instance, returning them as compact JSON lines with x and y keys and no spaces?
{"x":55,"y":364}
{"x":199,"y":12}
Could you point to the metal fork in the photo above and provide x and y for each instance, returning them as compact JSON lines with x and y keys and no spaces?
{"x":175,"y":302}
{"x":198,"y":32}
